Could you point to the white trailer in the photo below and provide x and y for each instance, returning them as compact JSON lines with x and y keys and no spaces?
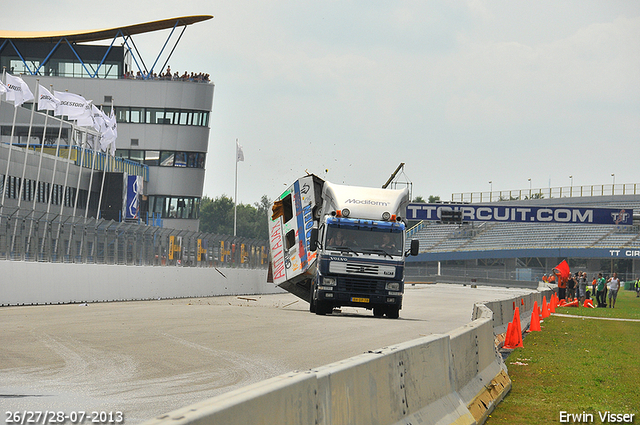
{"x":335,"y":245}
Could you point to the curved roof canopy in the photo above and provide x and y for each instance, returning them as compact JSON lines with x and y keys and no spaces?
{"x":103,"y":34}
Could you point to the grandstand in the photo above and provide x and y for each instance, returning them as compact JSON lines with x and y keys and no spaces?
{"x":525,"y":251}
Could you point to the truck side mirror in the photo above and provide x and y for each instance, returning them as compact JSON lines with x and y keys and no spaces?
{"x":415,"y":247}
{"x":313,"y":240}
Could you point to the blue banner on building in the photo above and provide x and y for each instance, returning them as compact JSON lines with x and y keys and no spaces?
{"x":134,"y":191}
{"x":523,"y":214}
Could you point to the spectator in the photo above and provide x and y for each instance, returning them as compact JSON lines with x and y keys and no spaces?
{"x":582,"y":288}
{"x":562,"y":287}
{"x":600,"y":291}
{"x":614,"y":286}
{"x":571,"y":287}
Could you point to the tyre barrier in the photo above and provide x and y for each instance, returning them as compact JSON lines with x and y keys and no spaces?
{"x":453,"y":378}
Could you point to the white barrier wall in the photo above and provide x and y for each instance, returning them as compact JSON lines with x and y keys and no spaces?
{"x":456,"y":378}
{"x":24,"y":283}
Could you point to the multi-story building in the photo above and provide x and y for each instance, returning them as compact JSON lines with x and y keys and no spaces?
{"x":163,"y":123}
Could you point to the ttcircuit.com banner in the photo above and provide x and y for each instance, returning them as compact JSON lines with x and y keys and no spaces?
{"x":520,"y":214}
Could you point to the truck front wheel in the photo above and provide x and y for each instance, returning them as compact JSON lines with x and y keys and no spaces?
{"x":312,"y":304}
{"x":393,"y":312}
{"x":323,"y":307}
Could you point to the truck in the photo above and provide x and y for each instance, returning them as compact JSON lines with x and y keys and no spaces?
{"x":335,"y":245}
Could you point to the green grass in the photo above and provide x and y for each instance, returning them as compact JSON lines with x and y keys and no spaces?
{"x":576,"y":365}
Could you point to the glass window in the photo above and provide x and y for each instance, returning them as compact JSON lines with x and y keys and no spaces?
{"x":137,"y":115}
{"x":197,"y":118}
{"x":173,"y":208}
{"x":137,"y":156}
{"x":122,"y":114}
{"x":205,"y":119}
{"x":166,"y":158}
{"x":171,"y":117}
{"x":152,"y":157}
{"x":201,"y":157}
{"x":196,"y":208}
{"x":185,"y":118}
{"x":155,"y":116}
{"x":181,"y":159}
{"x":192,"y":160}
{"x":157,"y":205}
{"x":122,"y":153}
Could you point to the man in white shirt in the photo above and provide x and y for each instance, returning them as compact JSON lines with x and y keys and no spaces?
{"x":614,"y":285}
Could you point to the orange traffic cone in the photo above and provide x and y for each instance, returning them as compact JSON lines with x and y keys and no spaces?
{"x":508,"y":339}
{"x":545,"y":308}
{"x":517,"y":328}
{"x":588,"y":303}
{"x":535,"y":319}
{"x":552,"y":307}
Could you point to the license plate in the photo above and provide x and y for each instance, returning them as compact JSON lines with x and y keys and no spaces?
{"x":359,"y":300}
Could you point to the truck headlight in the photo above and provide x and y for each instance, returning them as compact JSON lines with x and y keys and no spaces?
{"x":392,"y":286}
{"x":330,"y":281}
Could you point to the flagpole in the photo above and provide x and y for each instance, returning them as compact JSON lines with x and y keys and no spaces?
{"x":23,"y":188}
{"x":93,"y":166}
{"x":235,"y":197}
{"x":64,"y":187}
{"x":104,"y":172}
{"x":37,"y":191}
{"x":55,"y":164}
{"x":53,"y":179}
{"x":6,"y":174}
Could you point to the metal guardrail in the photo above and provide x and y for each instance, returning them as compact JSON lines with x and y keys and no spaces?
{"x":547,"y":193}
{"x":90,"y":241}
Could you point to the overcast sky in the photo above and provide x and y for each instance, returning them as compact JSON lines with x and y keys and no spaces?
{"x":463,"y":92}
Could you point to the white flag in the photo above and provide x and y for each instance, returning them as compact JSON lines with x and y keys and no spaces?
{"x":17,"y":90}
{"x":3,"y":88}
{"x":99,"y":119}
{"x":86,"y":119}
{"x":46,"y":101}
{"x":72,"y":105}
{"x":239,"y":152}
{"x":112,"y":132}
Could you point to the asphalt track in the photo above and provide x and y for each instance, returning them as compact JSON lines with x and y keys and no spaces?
{"x":150,"y":357}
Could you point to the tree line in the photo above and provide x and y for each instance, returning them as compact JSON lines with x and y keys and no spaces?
{"x":216,"y":216}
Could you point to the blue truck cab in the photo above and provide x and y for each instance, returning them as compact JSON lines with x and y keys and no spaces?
{"x":336,"y":245}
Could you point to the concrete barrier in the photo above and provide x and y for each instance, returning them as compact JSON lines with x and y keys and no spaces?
{"x":455,"y":378}
{"x":58,"y":283}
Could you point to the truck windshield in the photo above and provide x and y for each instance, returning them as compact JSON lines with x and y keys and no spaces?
{"x":370,"y":241}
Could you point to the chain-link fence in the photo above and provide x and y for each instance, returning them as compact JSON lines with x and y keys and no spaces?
{"x":79,"y":240}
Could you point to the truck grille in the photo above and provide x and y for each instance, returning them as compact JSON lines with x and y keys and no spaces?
{"x":362,"y":269}
{"x":365,"y":286}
